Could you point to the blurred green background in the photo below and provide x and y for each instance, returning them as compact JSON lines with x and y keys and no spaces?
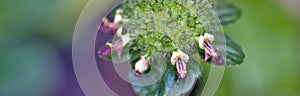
{"x":36,"y":36}
{"x":268,"y":32}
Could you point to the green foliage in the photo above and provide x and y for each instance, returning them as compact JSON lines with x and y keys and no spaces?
{"x":234,"y":53}
{"x":227,"y":12}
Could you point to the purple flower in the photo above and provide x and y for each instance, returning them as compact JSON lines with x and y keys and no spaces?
{"x":114,"y":26}
{"x":106,"y":50}
{"x":204,"y":43}
{"x":107,"y":26}
{"x":118,"y":46}
{"x":179,"y":58}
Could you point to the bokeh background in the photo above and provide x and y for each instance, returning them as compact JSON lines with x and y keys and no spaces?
{"x":36,"y":48}
{"x":269,"y":34}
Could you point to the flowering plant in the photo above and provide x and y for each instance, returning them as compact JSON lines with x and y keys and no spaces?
{"x":170,"y":40}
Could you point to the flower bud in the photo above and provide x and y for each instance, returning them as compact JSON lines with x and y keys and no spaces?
{"x":141,"y":66}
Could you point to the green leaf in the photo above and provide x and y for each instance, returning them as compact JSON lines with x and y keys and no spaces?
{"x":169,"y":84}
{"x":227,"y":12}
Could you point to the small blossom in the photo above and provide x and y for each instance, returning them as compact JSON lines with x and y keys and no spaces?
{"x":204,"y":43}
{"x":106,"y":50}
{"x":108,"y":26}
{"x":179,"y":58}
{"x":205,"y":38}
{"x":117,"y":45}
{"x":114,"y":26}
{"x":119,"y":18}
{"x":141,"y":66}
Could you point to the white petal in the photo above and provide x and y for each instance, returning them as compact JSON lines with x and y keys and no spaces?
{"x":119,"y":31}
{"x":201,"y":42}
{"x":118,"y":18}
{"x":184,"y":56}
{"x":141,"y":65}
{"x":174,"y":57}
{"x":125,"y":38}
{"x":209,"y":37}
{"x":119,"y":11}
